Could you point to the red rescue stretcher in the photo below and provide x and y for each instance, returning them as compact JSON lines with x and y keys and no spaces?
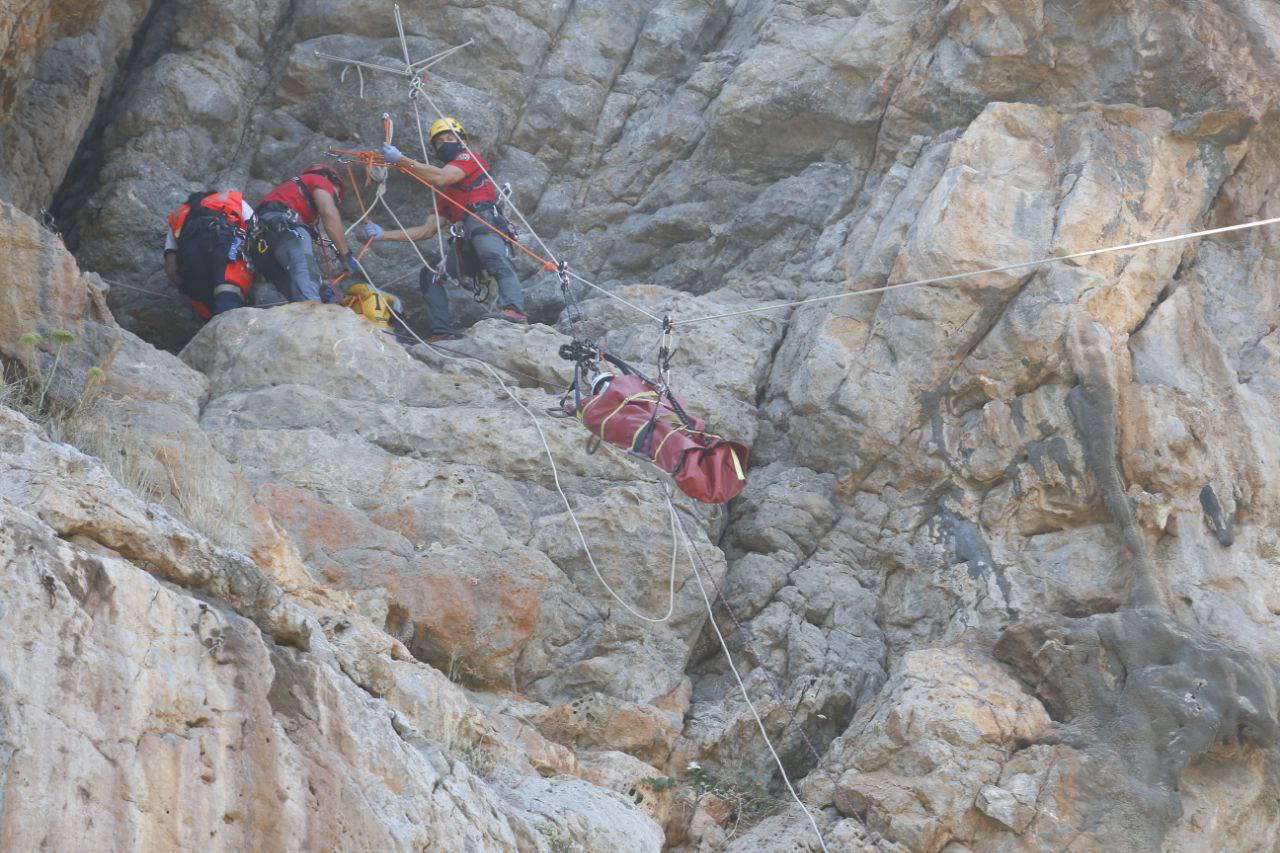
{"x":636,"y":414}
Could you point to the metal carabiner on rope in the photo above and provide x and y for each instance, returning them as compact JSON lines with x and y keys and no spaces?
{"x":665,"y":351}
{"x":562,"y":273}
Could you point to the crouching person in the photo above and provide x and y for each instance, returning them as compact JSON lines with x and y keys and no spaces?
{"x":286,"y":229}
{"x":204,"y":251}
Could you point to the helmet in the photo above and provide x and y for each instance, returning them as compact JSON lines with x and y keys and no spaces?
{"x":446,"y":125}
{"x":328,"y":173}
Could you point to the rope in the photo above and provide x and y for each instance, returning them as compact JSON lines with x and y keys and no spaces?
{"x":553,"y":386}
{"x":555,"y":472}
{"x":573,"y":275}
{"x":423,"y":64}
{"x":952,"y":277}
{"x":163,"y":293}
{"x":426,"y":155}
{"x":697,"y":576}
{"x":764,"y":670}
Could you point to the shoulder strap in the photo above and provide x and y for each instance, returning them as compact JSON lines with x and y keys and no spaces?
{"x":306,"y":193}
{"x":194,"y":205}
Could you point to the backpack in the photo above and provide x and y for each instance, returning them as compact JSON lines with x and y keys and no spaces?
{"x":207,"y":242}
{"x":374,"y":305}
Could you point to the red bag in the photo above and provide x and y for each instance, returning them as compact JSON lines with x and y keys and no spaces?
{"x":629,"y":414}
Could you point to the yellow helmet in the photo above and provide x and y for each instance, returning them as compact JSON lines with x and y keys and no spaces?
{"x":447,"y":125}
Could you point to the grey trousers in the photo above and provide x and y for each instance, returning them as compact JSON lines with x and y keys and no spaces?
{"x":296,"y":274}
{"x":491,"y":251}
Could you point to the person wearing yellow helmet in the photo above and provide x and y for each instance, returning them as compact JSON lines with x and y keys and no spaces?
{"x":465,"y":188}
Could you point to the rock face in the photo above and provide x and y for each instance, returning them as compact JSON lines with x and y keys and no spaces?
{"x":161,"y":688}
{"x":1003,"y":575}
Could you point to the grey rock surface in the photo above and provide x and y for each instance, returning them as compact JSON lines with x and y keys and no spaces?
{"x":995,"y":530}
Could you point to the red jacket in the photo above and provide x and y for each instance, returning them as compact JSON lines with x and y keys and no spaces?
{"x":475,"y":188}
{"x":290,"y":194}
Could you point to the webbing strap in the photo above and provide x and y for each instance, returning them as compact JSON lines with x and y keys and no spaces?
{"x":643,"y":395}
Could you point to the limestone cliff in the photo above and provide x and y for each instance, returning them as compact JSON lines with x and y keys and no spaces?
{"x":1005,"y":573}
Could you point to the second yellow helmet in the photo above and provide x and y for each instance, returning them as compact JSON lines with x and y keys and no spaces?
{"x":445,"y":125}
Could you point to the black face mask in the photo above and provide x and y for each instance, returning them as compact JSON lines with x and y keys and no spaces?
{"x":449,"y":151}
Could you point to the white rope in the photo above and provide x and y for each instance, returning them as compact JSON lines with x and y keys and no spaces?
{"x":555,"y":471}
{"x":573,"y":275}
{"x":400,"y":226}
{"x":435,"y":207}
{"x":382,"y":187}
{"x":424,"y":64}
{"x":675,"y":537}
{"x":359,"y":63}
{"x":711,"y":616}
{"x":404,"y":43}
{"x":952,"y":277}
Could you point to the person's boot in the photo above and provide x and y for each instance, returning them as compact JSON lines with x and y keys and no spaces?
{"x":509,"y":314}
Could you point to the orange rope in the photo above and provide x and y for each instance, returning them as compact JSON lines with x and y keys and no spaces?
{"x":352,"y":175}
{"x":370,"y":158}
{"x":367,"y":243}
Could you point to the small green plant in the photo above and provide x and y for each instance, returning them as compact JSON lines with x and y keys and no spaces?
{"x":61,"y":337}
{"x":463,"y":739}
{"x":29,"y":391}
{"x":660,"y":783}
{"x":555,"y":837}
{"x":746,"y":795}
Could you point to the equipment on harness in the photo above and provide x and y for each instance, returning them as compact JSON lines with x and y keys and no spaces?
{"x":470,"y":277}
{"x":265,"y":229}
{"x":374,"y":305}
{"x":210,"y":230}
{"x":646,"y":418}
{"x":471,"y":274}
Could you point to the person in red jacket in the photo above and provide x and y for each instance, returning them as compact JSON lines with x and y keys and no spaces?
{"x":287,"y":218}
{"x":203,"y":251}
{"x":465,"y":189}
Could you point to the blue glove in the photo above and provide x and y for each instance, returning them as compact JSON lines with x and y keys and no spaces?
{"x":352,"y":263}
{"x":327,"y":294}
{"x":391,"y":154}
{"x":373,"y":231}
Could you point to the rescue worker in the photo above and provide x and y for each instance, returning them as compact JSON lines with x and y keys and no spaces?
{"x":464,"y":186}
{"x":286,"y":228}
{"x":203,"y":253}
